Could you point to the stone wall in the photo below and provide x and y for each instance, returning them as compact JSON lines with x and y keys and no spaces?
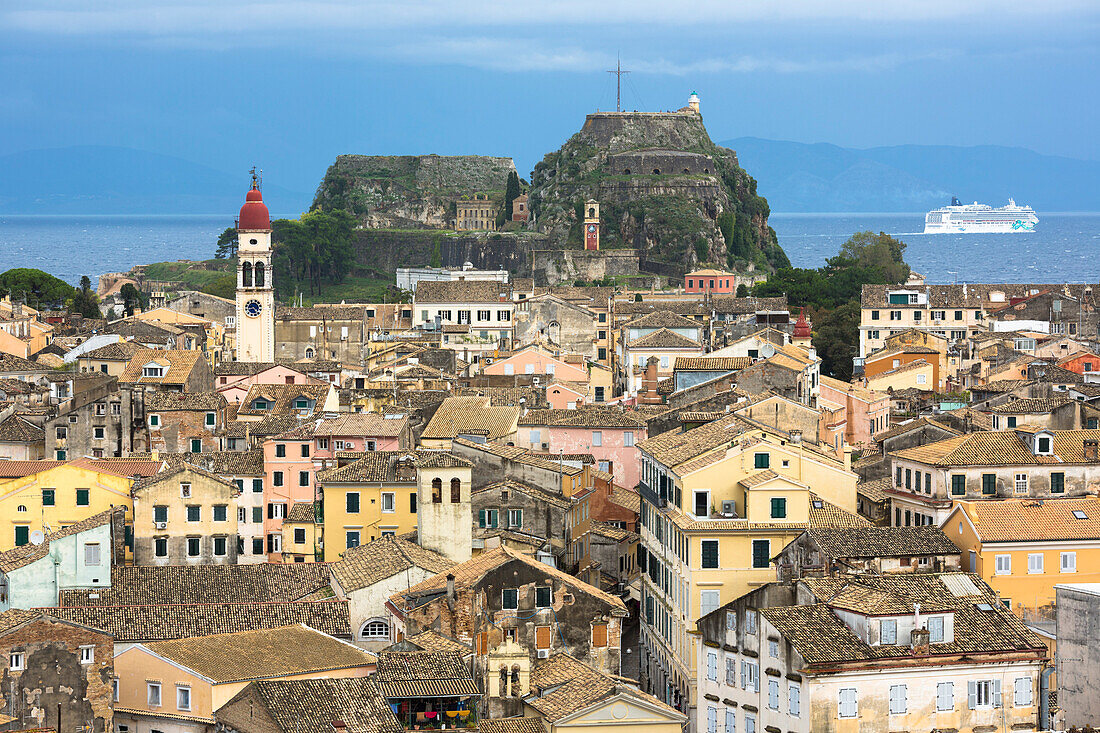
{"x":385,"y":251}
{"x":557,"y":266}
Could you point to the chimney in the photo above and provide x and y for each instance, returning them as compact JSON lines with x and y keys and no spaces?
{"x":796,"y":437}
{"x":1090,"y":447}
{"x":919,"y":642}
{"x":451,"y":586}
{"x":649,"y":384}
{"x":339,"y":726}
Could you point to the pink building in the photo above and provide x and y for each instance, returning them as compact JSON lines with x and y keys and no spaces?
{"x":710,"y":281}
{"x":610,"y":435}
{"x":232,"y":379}
{"x":289,"y":477}
{"x":533,"y":360}
{"x":866,"y":412}
{"x":563,"y":397}
{"x":361,"y":431}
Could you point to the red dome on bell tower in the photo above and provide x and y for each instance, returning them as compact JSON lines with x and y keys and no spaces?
{"x":802,"y":328}
{"x":254,"y":213}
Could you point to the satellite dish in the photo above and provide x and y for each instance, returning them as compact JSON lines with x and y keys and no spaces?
{"x":37,"y":538}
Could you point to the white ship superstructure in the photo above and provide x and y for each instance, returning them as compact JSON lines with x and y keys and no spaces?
{"x":978,"y":218}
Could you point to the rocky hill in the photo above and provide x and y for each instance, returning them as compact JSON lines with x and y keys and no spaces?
{"x":409,"y":191}
{"x":664,"y":188}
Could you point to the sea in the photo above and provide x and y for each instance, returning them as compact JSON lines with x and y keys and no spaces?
{"x":1065,"y":247}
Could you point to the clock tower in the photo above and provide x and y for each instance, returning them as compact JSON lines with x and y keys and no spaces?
{"x":591,"y":224}
{"x":255,"y":289}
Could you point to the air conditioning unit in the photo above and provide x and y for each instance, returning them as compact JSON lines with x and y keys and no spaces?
{"x":161,"y":525}
{"x":546,"y":446}
{"x":729,"y":507}
{"x":535,"y":381}
{"x":544,"y":653}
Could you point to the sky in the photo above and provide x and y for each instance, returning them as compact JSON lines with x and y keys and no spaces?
{"x":290,"y":85}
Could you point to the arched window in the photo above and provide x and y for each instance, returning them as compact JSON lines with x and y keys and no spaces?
{"x":309,"y":353}
{"x":502,"y":690}
{"x":591,"y":212}
{"x":246,"y":274}
{"x":21,"y":508}
{"x":437,"y":491}
{"x":686,"y":170}
{"x":656,"y":171}
{"x":515,"y":680}
{"x":259,"y":274}
{"x":375,"y":628}
{"x":626,"y":171}
{"x":456,"y":491}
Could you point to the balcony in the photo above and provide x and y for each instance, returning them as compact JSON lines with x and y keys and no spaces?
{"x":650,"y":495}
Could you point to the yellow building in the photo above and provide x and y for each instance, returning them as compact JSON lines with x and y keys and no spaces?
{"x":380,"y":493}
{"x":300,"y":533}
{"x":718,"y":503}
{"x":64,"y":494}
{"x":1023,"y":547}
{"x":175,"y":686}
{"x":216,"y":343}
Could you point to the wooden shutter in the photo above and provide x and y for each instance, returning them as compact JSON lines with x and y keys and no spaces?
{"x":599,"y":635}
{"x":542,"y":637}
{"x":971,"y":694}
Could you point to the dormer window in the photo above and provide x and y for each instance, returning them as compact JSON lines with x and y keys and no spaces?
{"x":888,"y":631}
{"x":152,"y":369}
{"x":302,"y":403}
{"x":261,"y":404}
{"x":1043,"y":444}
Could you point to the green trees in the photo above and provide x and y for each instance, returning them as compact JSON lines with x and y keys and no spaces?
{"x":832,"y":293}
{"x":312,"y":251}
{"x":34,"y":287}
{"x":132,"y":298}
{"x":84,"y":301}
{"x":512,"y":191}
{"x":742,"y":291}
{"x":227,"y":244}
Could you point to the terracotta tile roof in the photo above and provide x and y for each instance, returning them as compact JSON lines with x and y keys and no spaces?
{"x":463,"y":291}
{"x":673,"y":448}
{"x":281,"y":397}
{"x":761,"y":477}
{"x":1024,"y":520}
{"x":168,"y":584}
{"x":310,"y":706}
{"x":472,"y":415}
{"x":128,"y":467}
{"x":364,"y":423}
{"x":173,"y":401}
{"x":381,"y":466}
{"x":663,"y":339}
{"x":744,"y":306}
{"x":585,"y":417}
{"x":557,"y":500}
{"x":662,"y":319}
{"x":132,"y":623}
{"x":966,"y":295}
{"x":15,"y":617}
{"x":19,"y":469}
{"x":273,"y":425}
{"x":534,"y":398}
{"x":178,"y":363}
{"x":882,"y":542}
{"x":17,"y":429}
{"x":248,"y":655}
{"x":384,"y":558}
{"x":24,"y":555}
{"x":1001,"y":448}
{"x":626,"y":498}
{"x":433,"y":641}
{"x":711,"y":363}
{"x":510,"y":725}
{"x":302,"y":512}
{"x":241,"y":368}
{"x":903,"y":428}
{"x":1001,"y":386}
{"x":223,"y":463}
{"x":12,"y":363}
{"x":424,"y":674}
{"x":1031,"y":405}
{"x":860,"y":392}
{"x":568,"y":685}
{"x":875,"y":489}
{"x":523,"y":456}
{"x":612,"y":532}
{"x":823,"y":514}
{"x":118,"y":351}
{"x":471,"y":572}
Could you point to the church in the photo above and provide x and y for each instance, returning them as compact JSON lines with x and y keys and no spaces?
{"x":255,"y":286}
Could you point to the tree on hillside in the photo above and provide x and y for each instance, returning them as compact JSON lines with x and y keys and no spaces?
{"x":84,"y":301}
{"x":132,"y":298}
{"x":512,"y":191}
{"x":312,"y":251}
{"x":742,"y":291}
{"x":227,"y":244}
{"x":34,"y":287}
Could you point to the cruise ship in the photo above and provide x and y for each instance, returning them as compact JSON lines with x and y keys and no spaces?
{"x":978,"y":218}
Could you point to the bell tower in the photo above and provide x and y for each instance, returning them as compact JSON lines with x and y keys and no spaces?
{"x":591,"y":224}
{"x":255,"y":289}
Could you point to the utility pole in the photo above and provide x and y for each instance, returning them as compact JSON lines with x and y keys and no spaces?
{"x":618,"y":72}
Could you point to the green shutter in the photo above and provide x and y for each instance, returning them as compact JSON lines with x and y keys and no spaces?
{"x":958,"y":485}
{"x":989,"y":483}
{"x":481,"y":518}
{"x":22,"y":535}
{"x":48,"y":497}
{"x":760,"y":553}
{"x":779,"y":508}
{"x":82,"y":497}
{"x":1057,"y":483}
{"x":763,"y":460}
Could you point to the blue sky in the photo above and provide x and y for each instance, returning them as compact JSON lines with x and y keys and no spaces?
{"x":289,"y":85}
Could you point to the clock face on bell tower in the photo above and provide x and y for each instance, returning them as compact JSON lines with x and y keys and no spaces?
{"x":591,"y":225}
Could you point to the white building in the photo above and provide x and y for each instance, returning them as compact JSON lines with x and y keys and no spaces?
{"x":255,"y":287}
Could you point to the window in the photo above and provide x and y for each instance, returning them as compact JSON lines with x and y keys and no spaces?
{"x":456,"y":491}
{"x":848,"y":706}
{"x":509,"y":598}
{"x":375,"y":629}
{"x":221,"y":512}
{"x":412,"y":502}
{"x":908,"y":479}
{"x":762,"y":460}
{"x":257,"y":485}
{"x":257,"y":515}
{"x":597,"y":438}
{"x":194,"y":513}
{"x":750,"y":723}
{"x":515,"y":518}
{"x":1069,"y":562}
{"x":750,"y":679}
{"x":958,"y":485}
{"x":153,"y":694}
{"x":1011,"y":421}
{"x":487,"y":518}
{"x":48,"y":497}
{"x":87,"y":654}
{"x":708,"y":601}
{"x":888,"y":631}
{"x":257,"y":545}
{"x":898,"y":702}
{"x":712,"y":719}
{"x":1021,"y":483}
{"x":750,"y":622}
{"x":1057,"y":483}
{"x":352,"y":537}
{"x":16,"y":661}
{"x":183,"y":697}
{"x":82,"y":497}
{"x":945,"y":696}
{"x":196,"y":445}
{"x":731,"y":720}
{"x":543,"y":596}
{"x":193,"y":546}
{"x":1003,"y":565}
{"x":1035,"y":562}
{"x":983,"y":693}
{"x":98,"y":432}
{"x":712,"y":666}
{"x":91,"y":553}
{"x":437,"y":491}
{"x":761,"y":553}
{"x":160,"y":547}
{"x":280,"y":450}
{"x":989,"y":484}
{"x":709,"y":554}
{"x":299,"y":535}
{"x":779,"y":508}
{"x":351,"y":501}
{"x":277,"y":478}
{"x":1022,"y":692}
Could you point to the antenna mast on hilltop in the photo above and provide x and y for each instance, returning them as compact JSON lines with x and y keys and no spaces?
{"x":618,"y":72}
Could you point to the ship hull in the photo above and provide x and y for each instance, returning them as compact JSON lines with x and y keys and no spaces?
{"x":973,"y":227}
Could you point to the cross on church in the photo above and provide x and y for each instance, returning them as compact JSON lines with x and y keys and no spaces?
{"x":618,"y":72}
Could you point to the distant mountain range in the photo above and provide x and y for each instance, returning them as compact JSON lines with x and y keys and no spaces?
{"x":800,"y":177}
{"x":114,"y":180}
